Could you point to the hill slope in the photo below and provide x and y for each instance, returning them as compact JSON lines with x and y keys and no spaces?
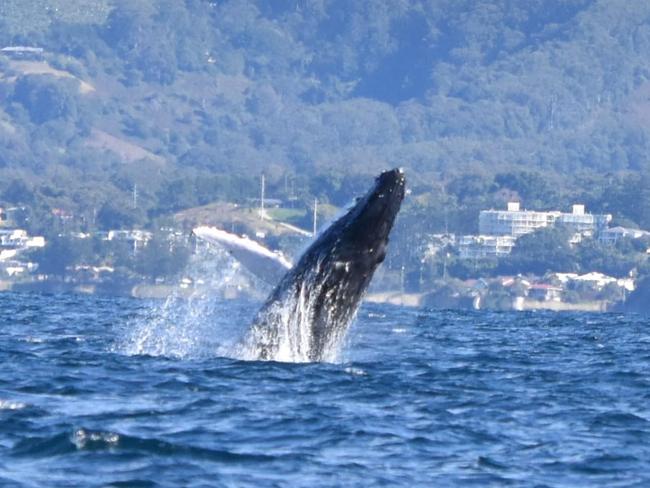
{"x":311,"y":89}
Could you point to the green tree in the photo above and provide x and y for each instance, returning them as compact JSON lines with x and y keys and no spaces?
{"x":161,"y":258}
{"x":545,"y":250}
{"x":614,"y":260}
{"x":113,"y":215}
{"x":643,"y":206}
{"x":177,"y":194}
{"x":18,"y":192}
{"x":61,"y":253}
{"x":46,"y":97}
{"x":532,"y":187}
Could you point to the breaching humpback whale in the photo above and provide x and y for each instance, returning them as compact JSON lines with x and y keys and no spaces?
{"x":308,"y":313}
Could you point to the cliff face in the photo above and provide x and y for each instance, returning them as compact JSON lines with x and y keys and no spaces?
{"x":639,"y":300}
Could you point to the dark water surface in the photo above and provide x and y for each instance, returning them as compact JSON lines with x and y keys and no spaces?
{"x":420,"y":398}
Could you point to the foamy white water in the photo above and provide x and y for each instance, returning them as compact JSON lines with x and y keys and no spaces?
{"x":196,"y":326}
{"x":203,"y":324}
{"x":285,"y":332}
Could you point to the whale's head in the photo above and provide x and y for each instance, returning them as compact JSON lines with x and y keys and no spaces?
{"x":361,"y":235}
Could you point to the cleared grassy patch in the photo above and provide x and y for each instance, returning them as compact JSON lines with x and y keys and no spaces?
{"x":43,"y":68}
{"x":286,"y":214}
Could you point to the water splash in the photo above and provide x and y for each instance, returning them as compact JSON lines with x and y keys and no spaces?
{"x":285,"y":331}
{"x":200,"y":323}
{"x":205,"y":324}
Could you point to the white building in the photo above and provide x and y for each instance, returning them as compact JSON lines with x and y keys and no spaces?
{"x":14,"y":242}
{"x":583,"y":223}
{"x":596,"y":280}
{"x":483,"y":246}
{"x":516,"y":222}
{"x":18,"y":238}
{"x":136,"y":238}
{"x":23,"y":52}
{"x":610,"y":236}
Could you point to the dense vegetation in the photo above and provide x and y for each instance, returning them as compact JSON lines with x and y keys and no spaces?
{"x":481,"y":100}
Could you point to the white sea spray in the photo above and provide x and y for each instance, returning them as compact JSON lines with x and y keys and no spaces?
{"x":195,"y":324}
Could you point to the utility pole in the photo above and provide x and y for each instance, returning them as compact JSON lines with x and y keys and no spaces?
{"x":263,"y":184}
{"x":315,"y":216}
{"x":401,"y":282}
{"x":446,"y":221}
{"x":135,"y":195}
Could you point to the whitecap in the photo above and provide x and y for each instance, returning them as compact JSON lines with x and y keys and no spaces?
{"x":355,"y":371}
{"x":81,"y":437}
{"x":34,"y":340}
{"x":11,"y":405}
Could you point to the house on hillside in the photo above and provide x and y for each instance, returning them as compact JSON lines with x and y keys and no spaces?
{"x":23,"y":52}
{"x":136,"y":238}
{"x":19,"y":239}
{"x":611,"y":236}
{"x":596,"y":280}
{"x":62,"y":215}
{"x":87,"y":274}
{"x":13,"y":268}
{"x":482,"y":246}
{"x":543,"y":292}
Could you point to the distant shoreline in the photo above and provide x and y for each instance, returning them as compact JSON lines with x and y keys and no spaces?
{"x":396,"y":298}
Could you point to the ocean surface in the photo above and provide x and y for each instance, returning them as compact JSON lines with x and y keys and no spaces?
{"x":131,"y":393}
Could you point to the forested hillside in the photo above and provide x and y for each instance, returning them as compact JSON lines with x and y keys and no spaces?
{"x":480,"y":100}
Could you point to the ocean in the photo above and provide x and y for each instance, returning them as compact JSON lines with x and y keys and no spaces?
{"x":107,"y":392}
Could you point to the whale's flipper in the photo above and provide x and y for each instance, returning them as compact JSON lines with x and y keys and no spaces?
{"x":262,"y":262}
{"x":307,"y":315}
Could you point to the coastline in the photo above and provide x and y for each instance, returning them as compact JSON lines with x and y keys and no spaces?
{"x":391,"y":297}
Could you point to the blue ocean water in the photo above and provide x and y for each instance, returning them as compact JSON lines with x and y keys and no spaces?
{"x":120,"y":392}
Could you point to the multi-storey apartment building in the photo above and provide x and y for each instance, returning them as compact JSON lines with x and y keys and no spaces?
{"x":499,"y":229}
{"x":516,"y":222}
